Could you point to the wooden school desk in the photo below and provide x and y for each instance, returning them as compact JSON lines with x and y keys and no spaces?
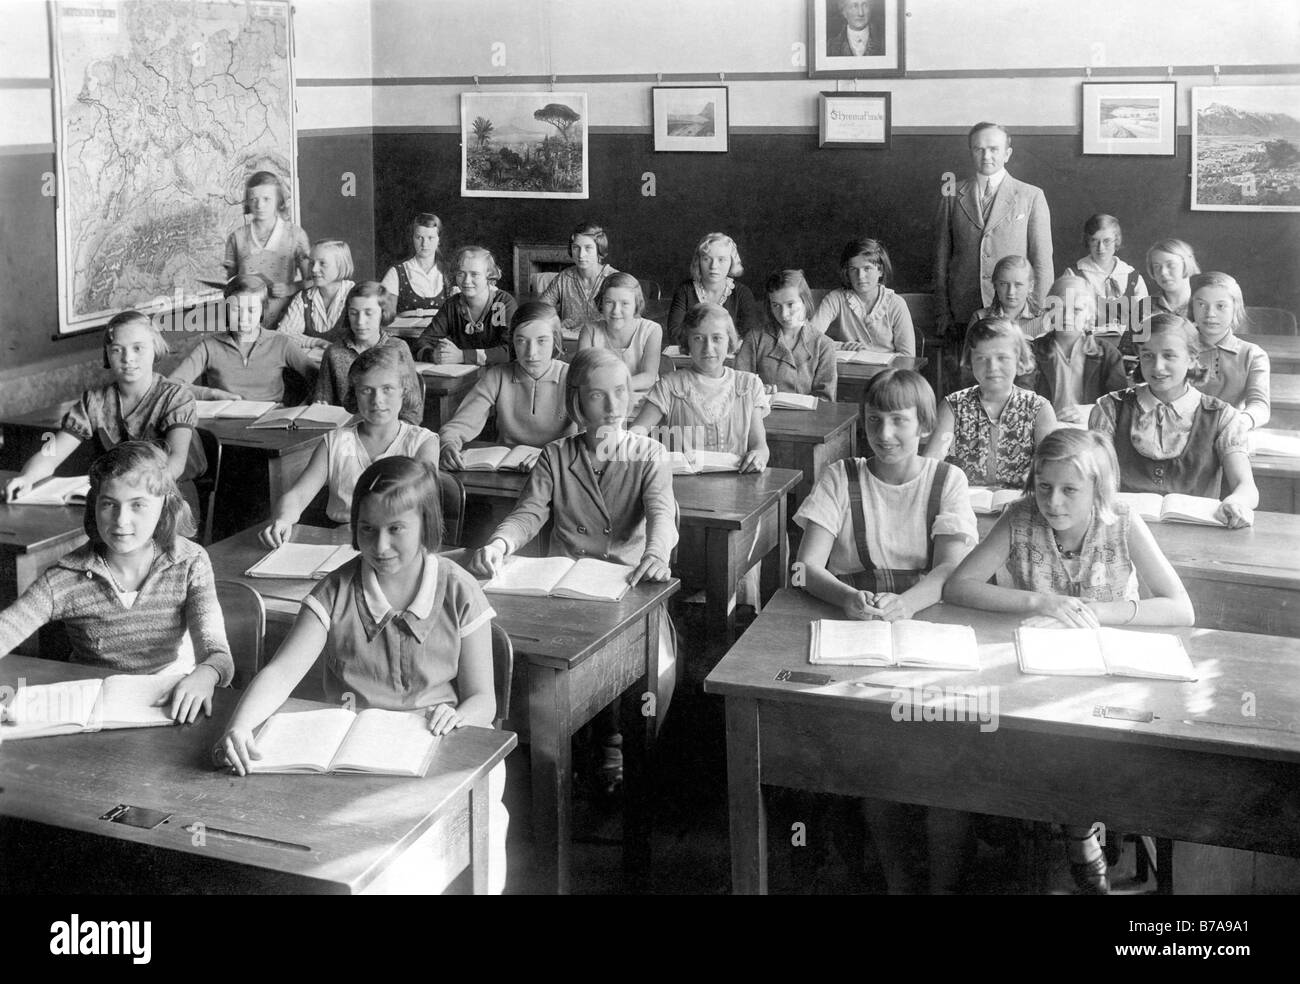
{"x":31,"y":539}
{"x":740,"y":520}
{"x":442,"y":395}
{"x":268,"y":833}
{"x":1278,"y":479}
{"x":1283,"y":351}
{"x":572,"y":660}
{"x":809,"y":440}
{"x":1239,"y":580}
{"x":854,"y":376}
{"x":1284,"y":397}
{"x":1201,"y":771}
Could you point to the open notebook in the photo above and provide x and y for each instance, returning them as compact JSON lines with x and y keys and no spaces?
{"x":302,"y":560}
{"x":865,"y":357}
{"x":1103,"y":652}
{"x":987,"y":501}
{"x":70,"y":490}
{"x":1173,"y":508}
{"x":233,"y":409}
{"x":74,"y":706}
{"x":793,"y":401}
{"x":414,"y":319}
{"x":315,"y":416}
{"x":1280,"y":443}
{"x":451,"y":370}
{"x":499,"y":458}
{"x":838,"y":642}
{"x":560,"y":577}
{"x":335,"y":739}
{"x":702,"y":462}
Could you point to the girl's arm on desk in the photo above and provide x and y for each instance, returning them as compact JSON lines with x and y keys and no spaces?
{"x":291,"y":505}
{"x":42,"y":464}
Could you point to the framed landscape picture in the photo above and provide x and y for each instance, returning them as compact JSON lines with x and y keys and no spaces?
{"x":523,"y":145}
{"x":853,"y":119}
{"x":1246,"y":148}
{"x":855,"y":38}
{"x":1130,"y":118}
{"x":691,"y":118}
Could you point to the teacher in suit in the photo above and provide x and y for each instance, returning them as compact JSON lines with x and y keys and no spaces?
{"x":859,"y":37}
{"x":987,"y":217}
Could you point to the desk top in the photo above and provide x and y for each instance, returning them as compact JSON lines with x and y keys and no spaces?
{"x":1204,"y":715}
{"x":558,"y":632}
{"x":1284,"y":348}
{"x":449,"y":385}
{"x":863,"y":370}
{"x":1264,"y":554}
{"x":810,"y":426}
{"x":342,"y":831}
{"x":26,"y":529}
{"x":1284,"y":391}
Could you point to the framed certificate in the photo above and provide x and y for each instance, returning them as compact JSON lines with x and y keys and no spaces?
{"x":853,"y":119}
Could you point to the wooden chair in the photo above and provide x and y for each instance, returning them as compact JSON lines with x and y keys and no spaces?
{"x":503,"y":668}
{"x":538,"y":282}
{"x":453,"y":509}
{"x":1269,"y":321}
{"x":925,"y":320}
{"x":656,"y":306}
{"x":818,"y":295}
{"x":245,"y":617}
{"x":207,"y":484}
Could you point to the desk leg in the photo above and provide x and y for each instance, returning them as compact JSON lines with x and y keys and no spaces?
{"x":480,"y":853}
{"x":722,"y":558}
{"x":776,"y":562}
{"x":551,"y":751}
{"x":639,"y":776}
{"x":747,"y":811}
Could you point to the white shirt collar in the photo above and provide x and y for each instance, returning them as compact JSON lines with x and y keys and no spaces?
{"x":993,"y":179}
{"x":421,"y":606}
{"x":1183,"y":407}
{"x":859,"y":40}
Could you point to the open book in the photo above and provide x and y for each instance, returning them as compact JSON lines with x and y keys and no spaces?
{"x":74,"y":706}
{"x":1285,"y":444}
{"x":702,"y":462}
{"x":233,"y":409}
{"x":1172,"y":508}
{"x":302,"y":560}
{"x":70,"y":490}
{"x":793,"y":401}
{"x":866,"y":357}
{"x":1103,"y":652}
{"x":836,"y":642}
{"x":414,"y":319}
{"x":453,"y":369}
{"x":315,"y":416}
{"x":498,"y":458}
{"x":987,"y":501}
{"x":560,"y":577}
{"x":335,"y":739}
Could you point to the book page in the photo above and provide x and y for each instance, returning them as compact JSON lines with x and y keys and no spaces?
{"x":517,"y":456}
{"x":673,"y":351}
{"x":245,"y":409}
{"x":794,"y":401}
{"x":483,"y":459}
{"x":71,"y":702}
{"x":852,"y":643}
{"x":1067,"y":652}
{"x":276,"y":418}
{"x":949,"y":647}
{"x":981,"y":498}
{"x":57,"y":491}
{"x":1148,"y":505}
{"x":301,"y":560}
{"x":132,"y":701}
{"x":1190,"y":509}
{"x":591,"y":578}
{"x":323,"y":414}
{"x":865,"y":357}
{"x":412,"y":320}
{"x":716,"y":461}
{"x":394,"y":743}
{"x":1156,"y":655}
{"x":305,"y":741}
{"x":210,"y":409}
{"x":451,"y":371}
{"x":530,"y":575}
{"x":1275,"y":442}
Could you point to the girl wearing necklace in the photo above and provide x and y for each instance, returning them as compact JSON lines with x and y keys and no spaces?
{"x":474,"y":327}
{"x":715,"y":265}
{"x":269,"y":245}
{"x":1073,"y":555}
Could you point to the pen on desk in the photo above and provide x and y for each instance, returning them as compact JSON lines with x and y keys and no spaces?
{"x":524,"y":638}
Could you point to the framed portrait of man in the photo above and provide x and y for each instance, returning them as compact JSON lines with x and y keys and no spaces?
{"x":856,"y":38}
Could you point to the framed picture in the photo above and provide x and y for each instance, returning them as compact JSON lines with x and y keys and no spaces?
{"x":855,"y":38}
{"x":1246,"y":148}
{"x":523,"y":145}
{"x":853,"y":119}
{"x":1130,"y":118}
{"x":691,"y":118}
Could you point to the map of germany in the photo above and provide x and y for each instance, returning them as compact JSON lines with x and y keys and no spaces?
{"x":163,"y":110}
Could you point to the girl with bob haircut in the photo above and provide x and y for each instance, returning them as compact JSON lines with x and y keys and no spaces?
{"x":1169,"y":437}
{"x":318,"y":315}
{"x":989,"y":430}
{"x":1013,"y":297}
{"x":715,"y":265}
{"x":573,"y":292}
{"x":620,"y":328}
{"x":268,"y":244}
{"x":1236,"y":371}
{"x":421,"y":282}
{"x":1073,"y":556}
{"x":138,"y":597}
{"x":789,"y":355}
{"x":863,"y":313}
{"x":401,"y":629}
{"x":526,"y":394}
{"x":474,"y":325}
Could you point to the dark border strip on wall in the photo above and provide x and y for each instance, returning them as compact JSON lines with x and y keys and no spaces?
{"x":914,"y":131}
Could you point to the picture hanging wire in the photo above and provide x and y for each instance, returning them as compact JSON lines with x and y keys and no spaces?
{"x":722,"y":76}
{"x":476,"y":85}
{"x":1216,"y":74}
{"x":1169,"y":73}
{"x":1087,"y":71}
{"x":552,"y":83}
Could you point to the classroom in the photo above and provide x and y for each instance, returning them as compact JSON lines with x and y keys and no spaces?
{"x":764,"y":446}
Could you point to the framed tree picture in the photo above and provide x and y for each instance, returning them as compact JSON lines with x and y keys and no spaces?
{"x":856,"y":38}
{"x":523,"y":145}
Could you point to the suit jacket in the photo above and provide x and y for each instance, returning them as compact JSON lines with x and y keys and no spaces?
{"x":839,"y":47}
{"x":966,"y":250}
